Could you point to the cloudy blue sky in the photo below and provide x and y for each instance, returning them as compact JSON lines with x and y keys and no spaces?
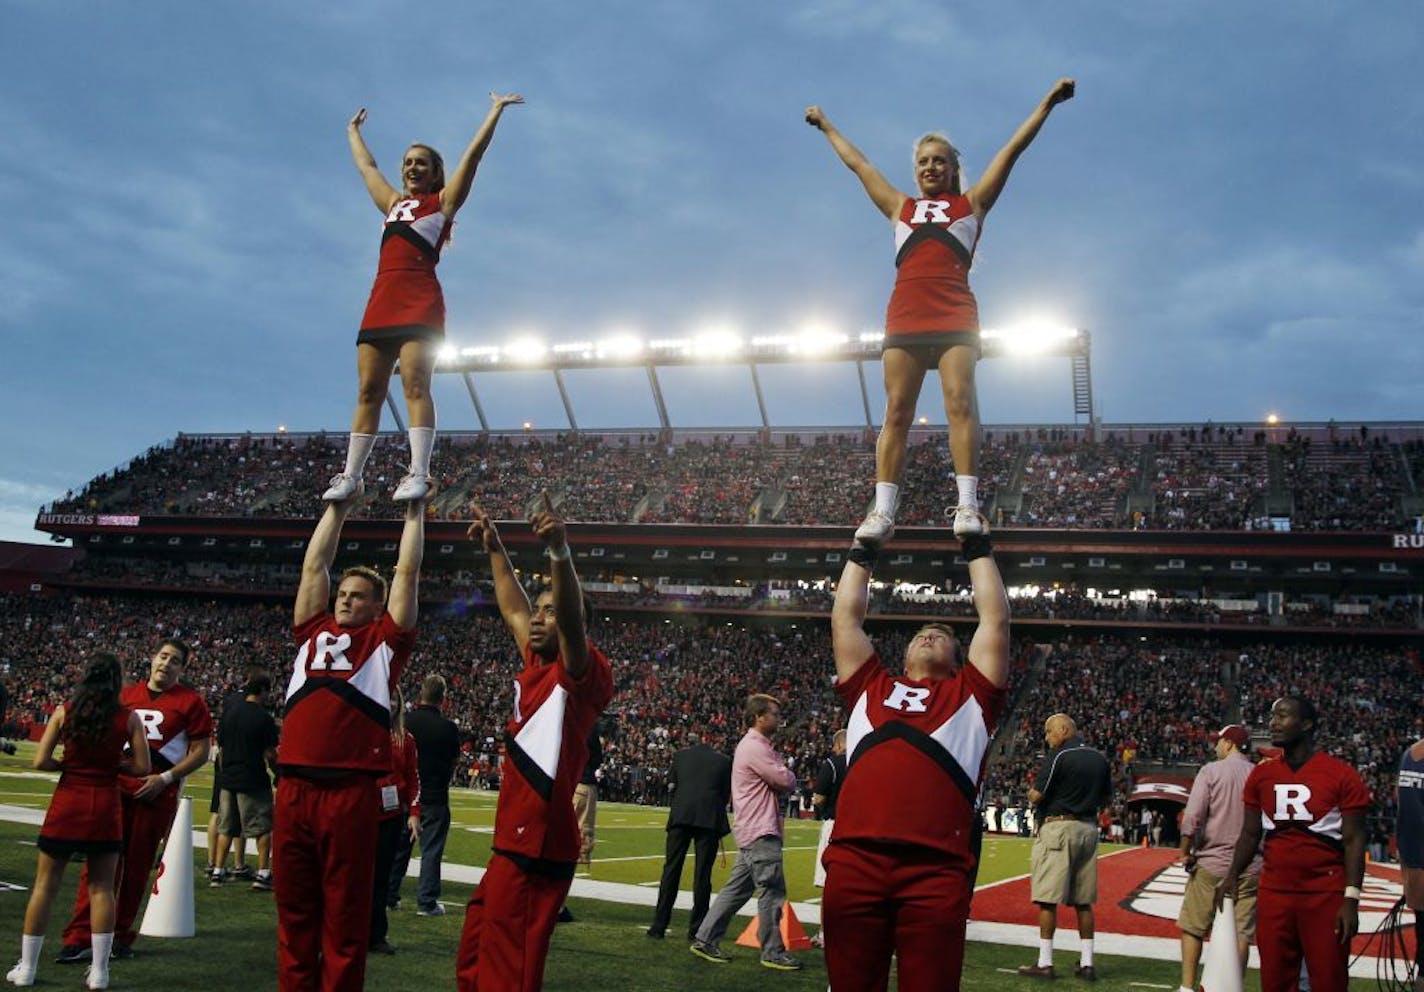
{"x":1231,"y":204}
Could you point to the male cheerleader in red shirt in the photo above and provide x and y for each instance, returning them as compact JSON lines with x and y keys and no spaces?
{"x":902,"y":857}
{"x":1311,"y":808}
{"x":179,"y":729}
{"x":565,"y":684}
{"x":335,"y":744}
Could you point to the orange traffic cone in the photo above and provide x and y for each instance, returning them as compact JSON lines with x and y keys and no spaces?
{"x":793,"y":935}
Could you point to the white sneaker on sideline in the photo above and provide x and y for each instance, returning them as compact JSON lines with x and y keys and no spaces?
{"x":413,"y":487}
{"x":343,"y":487}
{"x":20,"y":975}
{"x":95,"y":979}
{"x":969,"y":522}
{"x":875,"y":529}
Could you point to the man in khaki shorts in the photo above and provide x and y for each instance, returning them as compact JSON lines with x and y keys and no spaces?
{"x":1073,"y":784}
{"x":1210,"y":826}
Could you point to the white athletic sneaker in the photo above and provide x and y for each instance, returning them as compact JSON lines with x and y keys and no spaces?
{"x":20,"y":975}
{"x":876,"y":529}
{"x":968,"y":522}
{"x":95,"y":979}
{"x":414,"y":487}
{"x":343,"y":487}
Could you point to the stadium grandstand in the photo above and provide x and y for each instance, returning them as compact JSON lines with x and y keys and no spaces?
{"x":1166,"y":579}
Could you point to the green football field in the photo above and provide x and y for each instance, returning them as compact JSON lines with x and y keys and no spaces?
{"x":604,"y":949}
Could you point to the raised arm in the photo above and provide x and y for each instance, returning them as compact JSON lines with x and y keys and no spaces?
{"x":405,"y":587}
{"x":985,"y":192}
{"x":850,"y":645}
{"x":382,"y":193}
{"x":508,"y":593}
{"x":457,"y":184}
{"x":886,"y":198}
{"x":564,"y":583}
{"x":989,"y":647}
{"x":314,"y":589}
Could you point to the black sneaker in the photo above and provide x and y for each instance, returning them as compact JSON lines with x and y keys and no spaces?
{"x":565,"y":916}
{"x":74,"y":954}
{"x":262,"y":883}
{"x":781,"y":961}
{"x":121,"y":952}
{"x":709,"y":952}
{"x":216,"y":879}
{"x":244,"y":874}
{"x":384,"y":947}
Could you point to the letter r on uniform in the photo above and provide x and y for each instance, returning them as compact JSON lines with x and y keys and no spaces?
{"x":931,"y":211}
{"x":1290,"y":802}
{"x":908,"y":698}
{"x":152,"y":723}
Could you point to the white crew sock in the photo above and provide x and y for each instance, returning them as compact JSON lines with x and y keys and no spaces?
{"x":102,"y":943}
{"x":422,"y":443}
{"x":357,"y":452}
{"x":1085,"y":956}
{"x":887,"y":498}
{"x":968,"y":486}
{"x":30,"y":951}
{"x":1045,"y":952}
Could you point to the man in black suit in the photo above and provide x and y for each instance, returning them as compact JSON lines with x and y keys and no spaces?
{"x":701,"y":783}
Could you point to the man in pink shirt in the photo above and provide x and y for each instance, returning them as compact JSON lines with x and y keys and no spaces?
{"x":759,"y":779}
{"x":1212,"y":822}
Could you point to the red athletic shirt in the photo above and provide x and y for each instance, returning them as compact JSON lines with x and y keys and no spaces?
{"x":415,"y":230}
{"x":172,"y":719}
{"x":1301,"y":814}
{"x":339,"y":697}
{"x":935,"y":238}
{"x":547,"y":747}
{"x":915,"y":756}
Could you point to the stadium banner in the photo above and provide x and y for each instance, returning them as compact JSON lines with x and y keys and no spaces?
{"x":1173,"y":788}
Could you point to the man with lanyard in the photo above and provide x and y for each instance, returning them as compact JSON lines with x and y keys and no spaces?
{"x":565,"y":684}
{"x":1073,"y":784}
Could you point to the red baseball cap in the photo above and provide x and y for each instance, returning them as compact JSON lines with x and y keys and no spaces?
{"x":1233,"y":732}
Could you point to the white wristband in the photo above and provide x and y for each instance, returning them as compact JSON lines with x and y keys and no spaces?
{"x":1352,"y":892}
{"x":561,"y":554}
{"x":167,"y":777}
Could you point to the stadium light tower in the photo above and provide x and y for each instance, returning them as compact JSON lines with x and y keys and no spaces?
{"x":723,"y":345}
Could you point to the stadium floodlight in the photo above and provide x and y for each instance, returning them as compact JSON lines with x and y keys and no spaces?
{"x":619,"y":347}
{"x":526,"y":351}
{"x":447,"y":353}
{"x":871,"y":337}
{"x":818,"y":340}
{"x":578,"y":349}
{"x":1030,"y":339}
{"x":487,"y":352}
{"x":718,"y":343}
{"x":671,"y":346}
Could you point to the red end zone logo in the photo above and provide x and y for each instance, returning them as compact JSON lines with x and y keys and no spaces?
{"x":1161,"y":896}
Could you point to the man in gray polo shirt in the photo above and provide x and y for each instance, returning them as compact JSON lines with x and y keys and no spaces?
{"x":1210,"y":826}
{"x":1073,"y":784}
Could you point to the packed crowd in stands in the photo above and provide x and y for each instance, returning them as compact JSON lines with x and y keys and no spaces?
{"x":1191,"y":478}
{"x":1349,"y":483}
{"x":1140,"y":700}
{"x":466,"y":585}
